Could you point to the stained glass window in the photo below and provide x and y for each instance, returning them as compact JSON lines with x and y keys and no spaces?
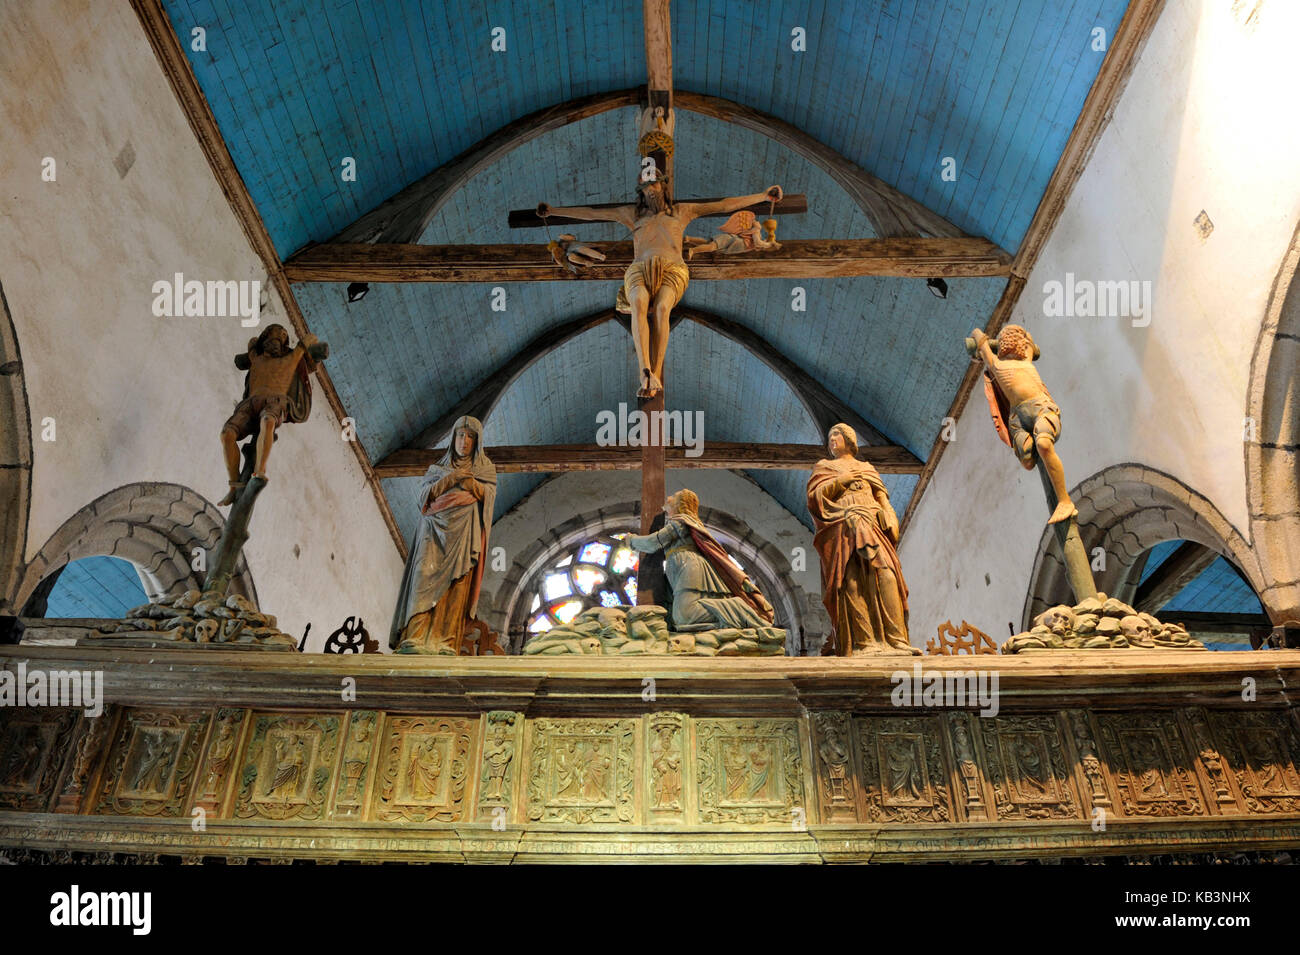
{"x":599,"y":571}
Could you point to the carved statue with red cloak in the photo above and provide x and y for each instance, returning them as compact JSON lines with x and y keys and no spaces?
{"x":856,"y":536}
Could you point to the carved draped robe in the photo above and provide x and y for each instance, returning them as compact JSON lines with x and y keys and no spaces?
{"x":868,"y":608}
{"x":444,"y":573}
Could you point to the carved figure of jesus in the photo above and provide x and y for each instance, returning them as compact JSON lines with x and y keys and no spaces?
{"x":657,"y":277}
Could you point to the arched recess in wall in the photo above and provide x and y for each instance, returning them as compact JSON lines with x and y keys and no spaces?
{"x":1273,"y":458}
{"x":15,"y":461}
{"x":155,"y":526}
{"x":763,"y":561}
{"x":1126,"y":510}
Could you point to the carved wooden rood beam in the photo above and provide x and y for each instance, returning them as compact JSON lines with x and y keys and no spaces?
{"x":798,"y":259}
{"x":413,"y":462}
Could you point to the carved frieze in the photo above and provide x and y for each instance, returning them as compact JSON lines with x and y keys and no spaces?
{"x":1260,"y":747}
{"x":750,"y":772}
{"x":288,"y":765}
{"x":1151,"y":766}
{"x":904,"y":774}
{"x":581,"y":771}
{"x":151,"y":766}
{"x":1028,"y":769}
{"x":355,"y":773}
{"x":1215,"y":775}
{"x":424,"y":769}
{"x":33,"y":741}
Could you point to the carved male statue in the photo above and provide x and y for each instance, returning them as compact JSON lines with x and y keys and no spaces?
{"x":1024,"y":413}
{"x":277,"y":389}
{"x":657,"y":277}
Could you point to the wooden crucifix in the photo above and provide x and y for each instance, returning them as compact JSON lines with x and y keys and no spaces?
{"x":658,"y":276}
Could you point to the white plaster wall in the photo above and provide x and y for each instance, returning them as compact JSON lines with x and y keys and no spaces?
{"x":135,"y":397}
{"x":1204,"y":123}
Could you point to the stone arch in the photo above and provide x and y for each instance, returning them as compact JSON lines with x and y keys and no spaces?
{"x":15,"y":461}
{"x":154,"y":525}
{"x":1273,"y":458}
{"x":1126,"y":510}
{"x":762,"y":559}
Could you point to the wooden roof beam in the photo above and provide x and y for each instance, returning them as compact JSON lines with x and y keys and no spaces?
{"x":798,"y":259}
{"x":525,"y":459}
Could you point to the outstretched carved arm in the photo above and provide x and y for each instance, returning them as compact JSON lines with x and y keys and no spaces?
{"x":623,"y":214}
{"x":696,"y":209}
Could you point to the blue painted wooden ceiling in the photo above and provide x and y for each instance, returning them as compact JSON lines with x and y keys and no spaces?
{"x":402,"y":87}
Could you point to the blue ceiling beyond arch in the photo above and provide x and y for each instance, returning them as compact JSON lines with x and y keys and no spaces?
{"x":895,"y":86}
{"x":99,"y":587}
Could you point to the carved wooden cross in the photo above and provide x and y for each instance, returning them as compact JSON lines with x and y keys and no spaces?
{"x":656,"y":149}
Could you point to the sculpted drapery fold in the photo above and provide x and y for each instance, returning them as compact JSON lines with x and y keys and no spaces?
{"x":444,"y":573}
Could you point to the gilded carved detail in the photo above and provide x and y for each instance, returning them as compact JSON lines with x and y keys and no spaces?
{"x":665,"y":763}
{"x":288,"y":765}
{"x":424,"y":769}
{"x":1151,"y":765}
{"x":904,"y":774}
{"x":151,"y":766}
{"x":1027,"y":768}
{"x":749,"y":771}
{"x":836,"y":775}
{"x":1262,"y":751}
{"x":581,"y":771}
{"x":32,"y":744}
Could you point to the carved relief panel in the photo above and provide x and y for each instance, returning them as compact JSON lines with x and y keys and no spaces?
{"x":1261,"y":750}
{"x":836,"y":766}
{"x":424,"y":769}
{"x":288,"y":765}
{"x":1028,"y":768}
{"x":581,"y":771}
{"x":89,"y":753}
{"x":1151,"y":765}
{"x":665,"y":768}
{"x":217,"y":771}
{"x":151,"y":766}
{"x":33,"y":742}
{"x":358,"y":756}
{"x":502,"y":741}
{"x":904,"y":774}
{"x":750,"y":771}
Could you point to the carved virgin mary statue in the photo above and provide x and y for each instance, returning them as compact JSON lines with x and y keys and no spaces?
{"x":857,"y":531}
{"x":440,"y":589}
